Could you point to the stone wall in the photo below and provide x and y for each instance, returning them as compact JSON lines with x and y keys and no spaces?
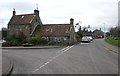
{"x":73,"y":39}
{"x":15,"y":29}
{"x":34,"y":24}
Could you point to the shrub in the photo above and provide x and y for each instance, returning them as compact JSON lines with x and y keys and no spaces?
{"x":16,"y":40}
{"x":51,"y":43}
{"x":5,"y":44}
{"x":37,"y":40}
{"x":13,"y":40}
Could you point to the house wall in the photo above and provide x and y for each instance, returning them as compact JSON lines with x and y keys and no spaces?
{"x":36,"y":21}
{"x":72,"y":39}
{"x":27,"y":29}
{"x":69,"y":38}
{"x":63,"y":39}
{"x":15,"y":29}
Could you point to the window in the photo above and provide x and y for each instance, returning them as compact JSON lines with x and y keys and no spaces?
{"x":58,"y":39}
{"x":47,"y":30}
{"x":22,"y":17}
{"x":65,"y":38}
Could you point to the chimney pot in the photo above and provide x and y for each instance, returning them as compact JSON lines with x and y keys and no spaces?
{"x":14,"y":12}
{"x":36,"y":12}
{"x":72,"y":21}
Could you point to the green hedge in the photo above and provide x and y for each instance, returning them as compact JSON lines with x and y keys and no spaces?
{"x":37,"y":40}
{"x":14,"y":40}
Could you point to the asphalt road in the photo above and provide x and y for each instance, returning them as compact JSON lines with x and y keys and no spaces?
{"x":0,"y":61}
{"x":83,"y":58}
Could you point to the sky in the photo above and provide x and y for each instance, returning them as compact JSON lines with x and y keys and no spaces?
{"x":96,"y":13}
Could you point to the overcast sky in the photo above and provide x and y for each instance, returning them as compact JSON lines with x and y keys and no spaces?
{"x":95,"y":13}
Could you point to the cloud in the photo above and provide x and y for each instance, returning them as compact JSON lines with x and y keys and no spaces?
{"x":20,"y":6}
{"x":90,"y":12}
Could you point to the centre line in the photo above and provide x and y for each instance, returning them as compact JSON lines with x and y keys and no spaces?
{"x":65,"y":49}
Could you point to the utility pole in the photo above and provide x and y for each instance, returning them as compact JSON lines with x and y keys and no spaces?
{"x":104,"y":30}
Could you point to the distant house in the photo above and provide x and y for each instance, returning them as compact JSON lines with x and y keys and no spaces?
{"x":31,"y":24}
{"x":98,"y":33}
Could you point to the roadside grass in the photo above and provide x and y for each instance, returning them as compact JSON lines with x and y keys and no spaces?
{"x":113,"y":41}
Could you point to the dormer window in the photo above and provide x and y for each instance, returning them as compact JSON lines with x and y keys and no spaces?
{"x":47,"y":30}
{"x":22,"y":16}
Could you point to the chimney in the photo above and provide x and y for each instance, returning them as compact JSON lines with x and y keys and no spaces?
{"x":14,"y":12}
{"x":72,"y":21}
{"x":36,"y":12}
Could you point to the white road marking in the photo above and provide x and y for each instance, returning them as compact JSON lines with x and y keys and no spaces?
{"x":60,"y":53}
{"x":66,"y":49}
{"x":63,"y":49}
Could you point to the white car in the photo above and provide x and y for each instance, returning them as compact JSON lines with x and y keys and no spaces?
{"x":90,"y":37}
{"x":2,"y":41}
{"x":85,"y":39}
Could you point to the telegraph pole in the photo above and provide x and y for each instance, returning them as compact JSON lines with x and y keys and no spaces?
{"x":104,"y":30}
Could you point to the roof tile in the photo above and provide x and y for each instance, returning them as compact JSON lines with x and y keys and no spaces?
{"x":22,"y":19}
{"x":53,"y":30}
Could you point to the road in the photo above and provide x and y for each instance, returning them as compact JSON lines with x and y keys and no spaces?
{"x":0,"y":60}
{"x":83,"y":58}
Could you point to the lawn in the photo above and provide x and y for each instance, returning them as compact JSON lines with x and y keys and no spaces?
{"x":113,"y":41}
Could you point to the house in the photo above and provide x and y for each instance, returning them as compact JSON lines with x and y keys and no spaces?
{"x":31,"y":24}
{"x":64,"y":33}
{"x":98,"y":33}
{"x":25,"y":23}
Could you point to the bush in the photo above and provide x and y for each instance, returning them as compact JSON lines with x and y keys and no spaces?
{"x":5,"y":44}
{"x":13,"y":40}
{"x":16,"y":40}
{"x":51,"y":43}
{"x":27,"y":44}
{"x":37,"y":40}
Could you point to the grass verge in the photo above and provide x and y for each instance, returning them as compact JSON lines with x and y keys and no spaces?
{"x":113,"y":41}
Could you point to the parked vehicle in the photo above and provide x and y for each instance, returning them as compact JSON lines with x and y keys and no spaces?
{"x":99,"y":37}
{"x":2,"y":41}
{"x":85,"y":39}
{"x":90,"y":37}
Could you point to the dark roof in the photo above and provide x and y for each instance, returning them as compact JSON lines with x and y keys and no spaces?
{"x":53,"y":30}
{"x":22,"y":19}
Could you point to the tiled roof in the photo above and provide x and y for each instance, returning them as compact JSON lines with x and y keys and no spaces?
{"x":22,"y":19}
{"x":53,"y":30}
